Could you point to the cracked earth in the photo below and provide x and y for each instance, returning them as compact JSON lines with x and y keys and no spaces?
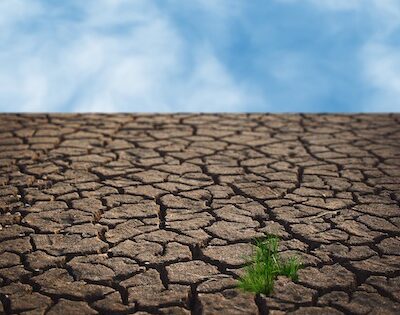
{"x":154,"y":214}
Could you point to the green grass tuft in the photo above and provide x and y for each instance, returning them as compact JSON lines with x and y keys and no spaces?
{"x":265,"y":266}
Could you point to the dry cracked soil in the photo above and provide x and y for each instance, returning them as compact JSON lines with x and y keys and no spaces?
{"x":155,"y":214}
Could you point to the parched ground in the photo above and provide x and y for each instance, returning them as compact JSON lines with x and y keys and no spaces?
{"x":156,"y":213}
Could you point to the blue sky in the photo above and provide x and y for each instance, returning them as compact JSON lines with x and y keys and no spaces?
{"x":200,"y":55}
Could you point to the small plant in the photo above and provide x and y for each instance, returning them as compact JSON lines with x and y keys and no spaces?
{"x":265,"y":265}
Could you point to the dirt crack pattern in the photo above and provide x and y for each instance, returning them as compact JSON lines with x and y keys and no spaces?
{"x":154,"y":214}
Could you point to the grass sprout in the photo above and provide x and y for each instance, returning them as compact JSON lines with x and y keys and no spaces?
{"x":265,"y":265}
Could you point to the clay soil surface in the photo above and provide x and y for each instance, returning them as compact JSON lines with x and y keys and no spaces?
{"x":155,"y":214}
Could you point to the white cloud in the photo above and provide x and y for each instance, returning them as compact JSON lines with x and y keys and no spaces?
{"x":375,"y":7}
{"x":337,"y":5}
{"x":382,"y":73}
{"x":113,"y":56}
{"x":386,"y":17}
{"x":383,"y":67}
{"x":211,"y":87}
{"x":379,"y":57}
{"x":14,"y":11}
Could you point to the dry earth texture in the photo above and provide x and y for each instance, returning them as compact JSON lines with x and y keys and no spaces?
{"x":155,"y":214}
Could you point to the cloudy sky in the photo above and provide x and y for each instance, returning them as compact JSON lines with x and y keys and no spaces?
{"x":200,"y":55}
